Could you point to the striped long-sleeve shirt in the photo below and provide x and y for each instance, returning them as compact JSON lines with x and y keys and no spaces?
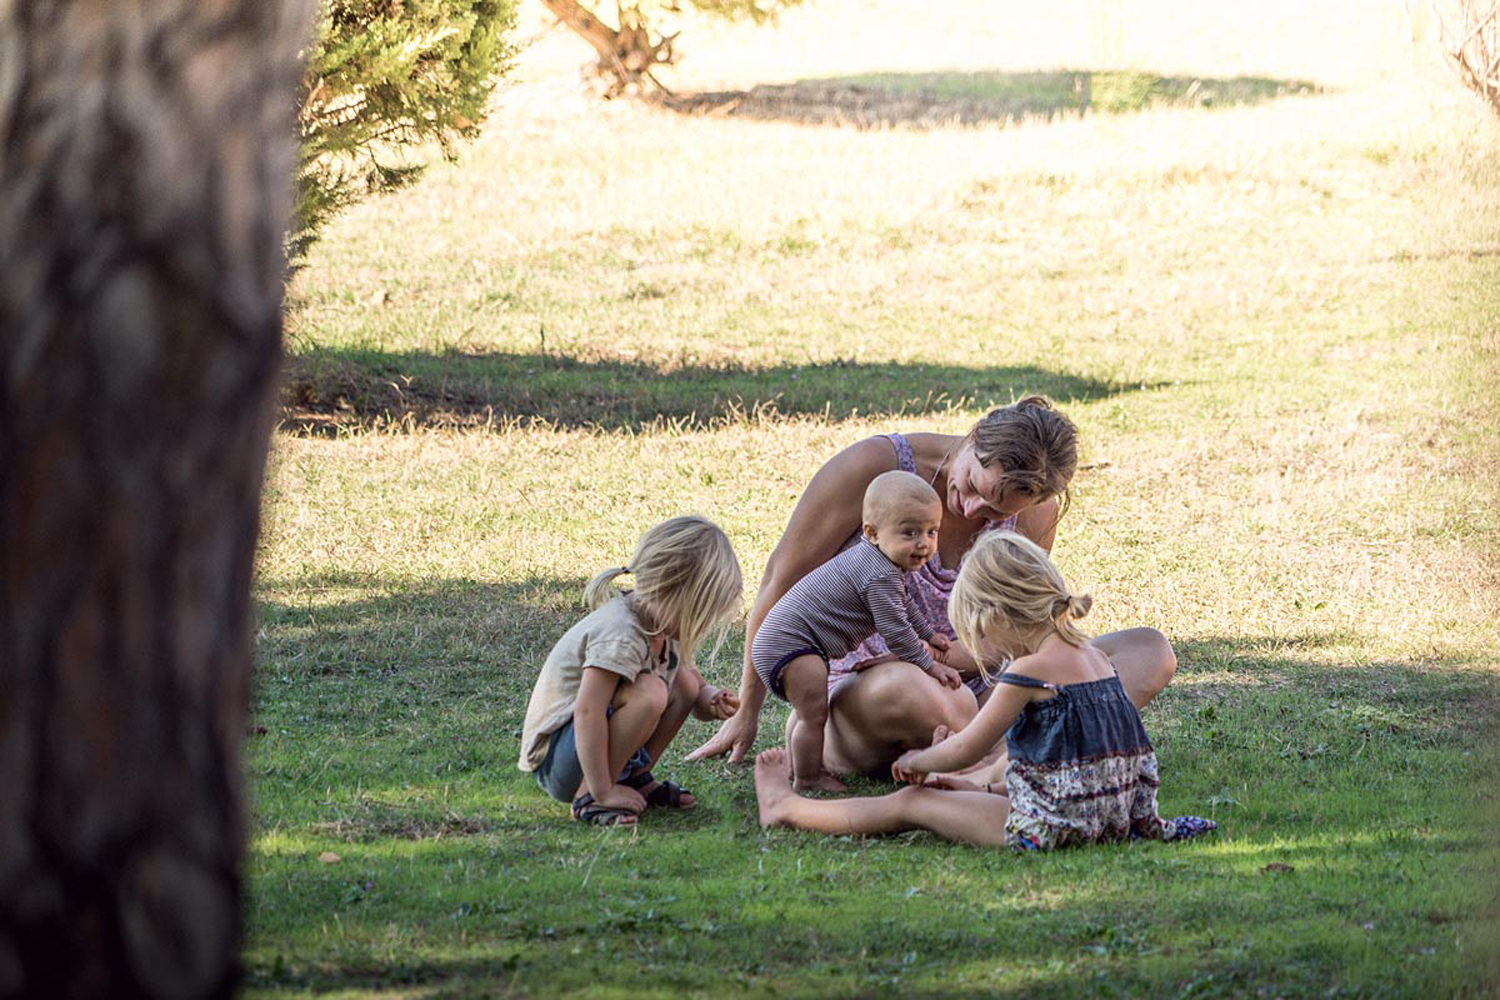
{"x":836,"y":607}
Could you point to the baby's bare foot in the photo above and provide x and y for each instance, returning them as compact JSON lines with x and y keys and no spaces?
{"x":772,"y":785}
{"x":824,"y":782}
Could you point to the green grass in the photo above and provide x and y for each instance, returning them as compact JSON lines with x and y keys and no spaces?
{"x":1276,"y":328}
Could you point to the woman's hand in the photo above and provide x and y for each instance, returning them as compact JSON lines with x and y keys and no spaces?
{"x":735,"y":737}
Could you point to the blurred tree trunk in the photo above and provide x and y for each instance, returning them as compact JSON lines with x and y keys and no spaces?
{"x":147,"y":150}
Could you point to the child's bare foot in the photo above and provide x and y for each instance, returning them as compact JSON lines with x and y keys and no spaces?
{"x":824,"y":782}
{"x":773,"y":786}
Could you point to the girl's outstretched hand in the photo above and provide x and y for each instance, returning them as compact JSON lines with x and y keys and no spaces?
{"x":902,"y":769}
{"x":735,"y":737}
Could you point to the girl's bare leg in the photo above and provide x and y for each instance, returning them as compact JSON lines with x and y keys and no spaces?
{"x":638,"y":708}
{"x":679,"y":706}
{"x":1144,"y":659}
{"x":989,"y":771}
{"x":969,"y":817}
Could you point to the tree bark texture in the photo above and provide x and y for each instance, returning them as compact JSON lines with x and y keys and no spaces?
{"x":147,"y":149}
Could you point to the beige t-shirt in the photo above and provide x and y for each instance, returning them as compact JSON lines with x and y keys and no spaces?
{"x":610,"y":638}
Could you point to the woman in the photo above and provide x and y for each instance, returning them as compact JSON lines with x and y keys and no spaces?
{"x":1010,"y":471}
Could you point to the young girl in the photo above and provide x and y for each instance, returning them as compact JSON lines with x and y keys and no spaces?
{"x":1081,"y":769}
{"x":619,"y":684}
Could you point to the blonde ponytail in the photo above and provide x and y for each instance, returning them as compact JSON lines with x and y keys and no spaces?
{"x":599,"y":590}
{"x":686,"y":576}
{"x":1008,"y":580}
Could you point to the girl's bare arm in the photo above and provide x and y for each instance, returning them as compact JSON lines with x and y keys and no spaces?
{"x":970,"y":744}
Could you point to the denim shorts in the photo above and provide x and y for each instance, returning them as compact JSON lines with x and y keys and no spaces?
{"x":561,"y":772}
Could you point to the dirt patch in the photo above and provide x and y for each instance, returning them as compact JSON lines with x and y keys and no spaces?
{"x":384,"y":824}
{"x":847,"y":105}
{"x":935,"y":100}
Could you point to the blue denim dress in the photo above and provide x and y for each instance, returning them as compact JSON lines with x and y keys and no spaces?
{"x":1082,"y":770}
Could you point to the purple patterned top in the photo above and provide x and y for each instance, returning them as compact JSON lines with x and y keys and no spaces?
{"x":929,"y":586}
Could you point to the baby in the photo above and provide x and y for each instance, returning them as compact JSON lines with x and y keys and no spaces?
{"x":836,"y":606}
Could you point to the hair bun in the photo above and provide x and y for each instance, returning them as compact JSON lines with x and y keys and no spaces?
{"x":1079,"y":606}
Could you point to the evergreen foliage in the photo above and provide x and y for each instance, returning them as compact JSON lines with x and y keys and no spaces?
{"x":384,"y":76}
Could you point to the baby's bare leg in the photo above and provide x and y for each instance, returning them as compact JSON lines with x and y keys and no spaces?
{"x":805,"y":681}
{"x":969,"y":817}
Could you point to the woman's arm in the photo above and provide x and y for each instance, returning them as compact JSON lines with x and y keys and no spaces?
{"x":829,"y":511}
{"x":1039,"y":523}
{"x":970,"y":744}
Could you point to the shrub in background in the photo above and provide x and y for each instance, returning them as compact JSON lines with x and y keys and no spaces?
{"x":384,"y":76}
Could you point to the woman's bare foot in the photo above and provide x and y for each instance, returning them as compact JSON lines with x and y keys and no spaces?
{"x":824,"y":782}
{"x":773,"y":786}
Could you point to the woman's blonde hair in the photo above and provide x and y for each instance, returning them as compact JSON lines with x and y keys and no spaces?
{"x":1034,"y":446}
{"x":1008,"y":581}
{"x":686,"y":575}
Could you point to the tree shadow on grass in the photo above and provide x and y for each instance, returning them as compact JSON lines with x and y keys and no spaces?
{"x":931,"y":100}
{"x":327,"y":389}
{"x":382,"y":627}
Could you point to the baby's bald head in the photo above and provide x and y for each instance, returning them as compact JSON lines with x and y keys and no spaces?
{"x":891,"y":494}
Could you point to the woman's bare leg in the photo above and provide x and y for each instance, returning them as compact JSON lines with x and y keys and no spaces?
{"x":1144,"y":659}
{"x":880,"y":713}
{"x":969,"y":817}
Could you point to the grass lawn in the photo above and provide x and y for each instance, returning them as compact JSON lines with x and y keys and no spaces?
{"x":1276,"y":327}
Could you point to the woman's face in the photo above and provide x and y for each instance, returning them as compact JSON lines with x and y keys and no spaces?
{"x":975,"y":493}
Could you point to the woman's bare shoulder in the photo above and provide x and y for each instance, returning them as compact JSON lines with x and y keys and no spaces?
{"x":929,"y":449}
{"x":859,"y":462}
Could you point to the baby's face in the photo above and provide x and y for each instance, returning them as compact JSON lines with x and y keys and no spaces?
{"x":908,"y":533}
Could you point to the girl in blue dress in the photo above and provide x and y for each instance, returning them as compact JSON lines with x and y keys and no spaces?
{"x":1079,"y":768}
